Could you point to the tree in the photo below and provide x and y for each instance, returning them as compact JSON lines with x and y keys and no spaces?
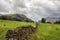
{"x":57,"y":22}
{"x":43,"y":20}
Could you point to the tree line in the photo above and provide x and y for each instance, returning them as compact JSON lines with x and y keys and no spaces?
{"x":43,"y":20}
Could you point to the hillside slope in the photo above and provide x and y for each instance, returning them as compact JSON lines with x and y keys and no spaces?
{"x":17,"y":17}
{"x":45,"y":31}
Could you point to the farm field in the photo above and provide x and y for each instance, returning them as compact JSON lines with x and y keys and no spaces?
{"x":45,"y":31}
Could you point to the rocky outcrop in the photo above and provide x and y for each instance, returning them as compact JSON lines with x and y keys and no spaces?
{"x":20,"y":33}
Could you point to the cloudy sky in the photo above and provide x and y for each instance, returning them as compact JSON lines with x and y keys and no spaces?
{"x":34,"y":9}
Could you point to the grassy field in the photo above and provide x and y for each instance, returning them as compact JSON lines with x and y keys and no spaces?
{"x":45,"y":31}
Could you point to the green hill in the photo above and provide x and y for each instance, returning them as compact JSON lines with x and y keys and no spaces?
{"x":45,"y":31}
{"x":16,"y":17}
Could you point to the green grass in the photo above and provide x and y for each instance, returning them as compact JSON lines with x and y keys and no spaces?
{"x":49,"y":31}
{"x":45,"y":31}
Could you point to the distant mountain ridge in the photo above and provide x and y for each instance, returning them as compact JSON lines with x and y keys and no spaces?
{"x":17,"y":17}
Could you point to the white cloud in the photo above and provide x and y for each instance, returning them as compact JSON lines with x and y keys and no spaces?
{"x":34,"y":9}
